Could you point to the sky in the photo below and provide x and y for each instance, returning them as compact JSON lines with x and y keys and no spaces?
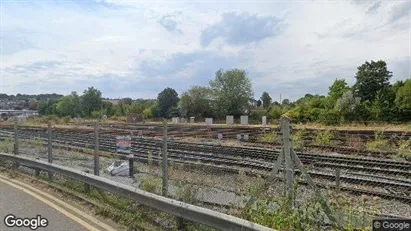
{"x":137,"y":48}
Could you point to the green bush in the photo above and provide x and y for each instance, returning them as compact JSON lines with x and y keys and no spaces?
{"x":324,"y":137}
{"x":329,"y":117}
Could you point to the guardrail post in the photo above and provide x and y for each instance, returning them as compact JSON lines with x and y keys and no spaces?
{"x":86,"y":186}
{"x":289,"y":166}
{"x":337,"y":179}
{"x":49,"y":147}
{"x":131,"y":166}
{"x":96,"y":150}
{"x":16,"y":139}
{"x":165,"y":161}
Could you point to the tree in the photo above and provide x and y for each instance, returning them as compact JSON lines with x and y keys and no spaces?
{"x":286,"y":102}
{"x":347,"y":104}
{"x":259,"y":103}
{"x":371,"y":79}
{"x":403,"y":96}
{"x":69,"y":105}
{"x":336,"y":91}
{"x":127,"y":101}
{"x":232,"y":91}
{"x":91,"y":101}
{"x":167,"y":99}
{"x":266,"y":99}
{"x":196,"y":102}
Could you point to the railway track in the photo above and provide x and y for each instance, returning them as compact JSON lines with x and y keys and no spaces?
{"x":243,"y":157}
{"x":180,"y":152}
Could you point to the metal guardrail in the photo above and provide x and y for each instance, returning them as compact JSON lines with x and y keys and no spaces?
{"x":180,"y":209}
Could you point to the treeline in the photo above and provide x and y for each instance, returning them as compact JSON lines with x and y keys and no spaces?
{"x":38,"y":97}
{"x":371,"y":98}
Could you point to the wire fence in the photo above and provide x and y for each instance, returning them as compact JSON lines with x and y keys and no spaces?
{"x":303,"y":180}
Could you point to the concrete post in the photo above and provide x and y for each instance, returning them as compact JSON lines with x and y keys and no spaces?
{"x":289,"y":166}
{"x":49,"y":147}
{"x":96,"y":150}
{"x":165,"y":161}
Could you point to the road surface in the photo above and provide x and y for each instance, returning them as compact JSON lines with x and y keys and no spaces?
{"x":24,"y":201}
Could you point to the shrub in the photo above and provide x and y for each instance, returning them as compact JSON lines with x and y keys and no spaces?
{"x":150,"y":184}
{"x":298,"y":139}
{"x":271,"y":137}
{"x":324,"y":137}
{"x":329,"y":117}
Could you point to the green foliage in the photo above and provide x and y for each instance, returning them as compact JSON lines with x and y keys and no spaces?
{"x":324,"y":137}
{"x":346,"y":105}
{"x":6,"y":145}
{"x":167,"y":99}
{"x":187,"y":193}
{"x":91,"y":101}
{"x":371,"y":77}
{"x":232,"y":91}
{"x":271,"y":137}
{"x":404,"y":149}
{"x":403,"y":96}
{"x":150,"y":184}
{"x":336,"y":91}
{"x":329,"y":117}
{"x":279,"y":215}
{"x":197,"y":102}
{"x":275,"y":113}
{"x":379,"y":143}
{"x":298,"y":139}
{"x":69,"y":106}
{"x":266,"y":99}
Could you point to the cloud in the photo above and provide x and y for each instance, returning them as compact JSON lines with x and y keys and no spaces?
{"x":399,"y":11}
{"x":193,"y":68}
{"x":126,"y":48}
{"x":170,"y":24}
{"x":374,"y":7}
{"x":32,"y":68}
{"x":241,"y":28}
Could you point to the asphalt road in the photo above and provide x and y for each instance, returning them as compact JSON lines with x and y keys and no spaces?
{"x":23,"y":205}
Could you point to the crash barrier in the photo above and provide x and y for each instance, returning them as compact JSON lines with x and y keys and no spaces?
{"x":180,"y":209}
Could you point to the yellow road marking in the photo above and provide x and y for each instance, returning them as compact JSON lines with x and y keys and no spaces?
{"x":51,"y":204}
{"x":74,"y":209}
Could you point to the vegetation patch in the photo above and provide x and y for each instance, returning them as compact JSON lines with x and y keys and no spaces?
{"x":324,"y":137}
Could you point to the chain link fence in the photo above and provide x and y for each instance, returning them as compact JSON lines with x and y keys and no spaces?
{"x":285,"y":178}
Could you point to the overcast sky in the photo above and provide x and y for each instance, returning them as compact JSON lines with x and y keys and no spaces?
{"x":137,"y":48}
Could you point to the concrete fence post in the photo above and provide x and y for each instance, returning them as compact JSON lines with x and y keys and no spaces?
{"x":289,"y":166}
{"x":165,"y":161}
{"x":16,"y":139}
{"x":49,"y":147}
{"x":96,"y":149}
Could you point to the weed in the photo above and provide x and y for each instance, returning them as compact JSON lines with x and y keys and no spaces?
{"x":36,"y":142}
{"x":298,"y":139}
{"x":379,"y":143}
{"x":404,"y":149}
{"x":187,"y":193}
{"x":150,"y":184}
{"x":271,"y":137}
{"x":324,"y":137}
{"x":7,"y":145}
